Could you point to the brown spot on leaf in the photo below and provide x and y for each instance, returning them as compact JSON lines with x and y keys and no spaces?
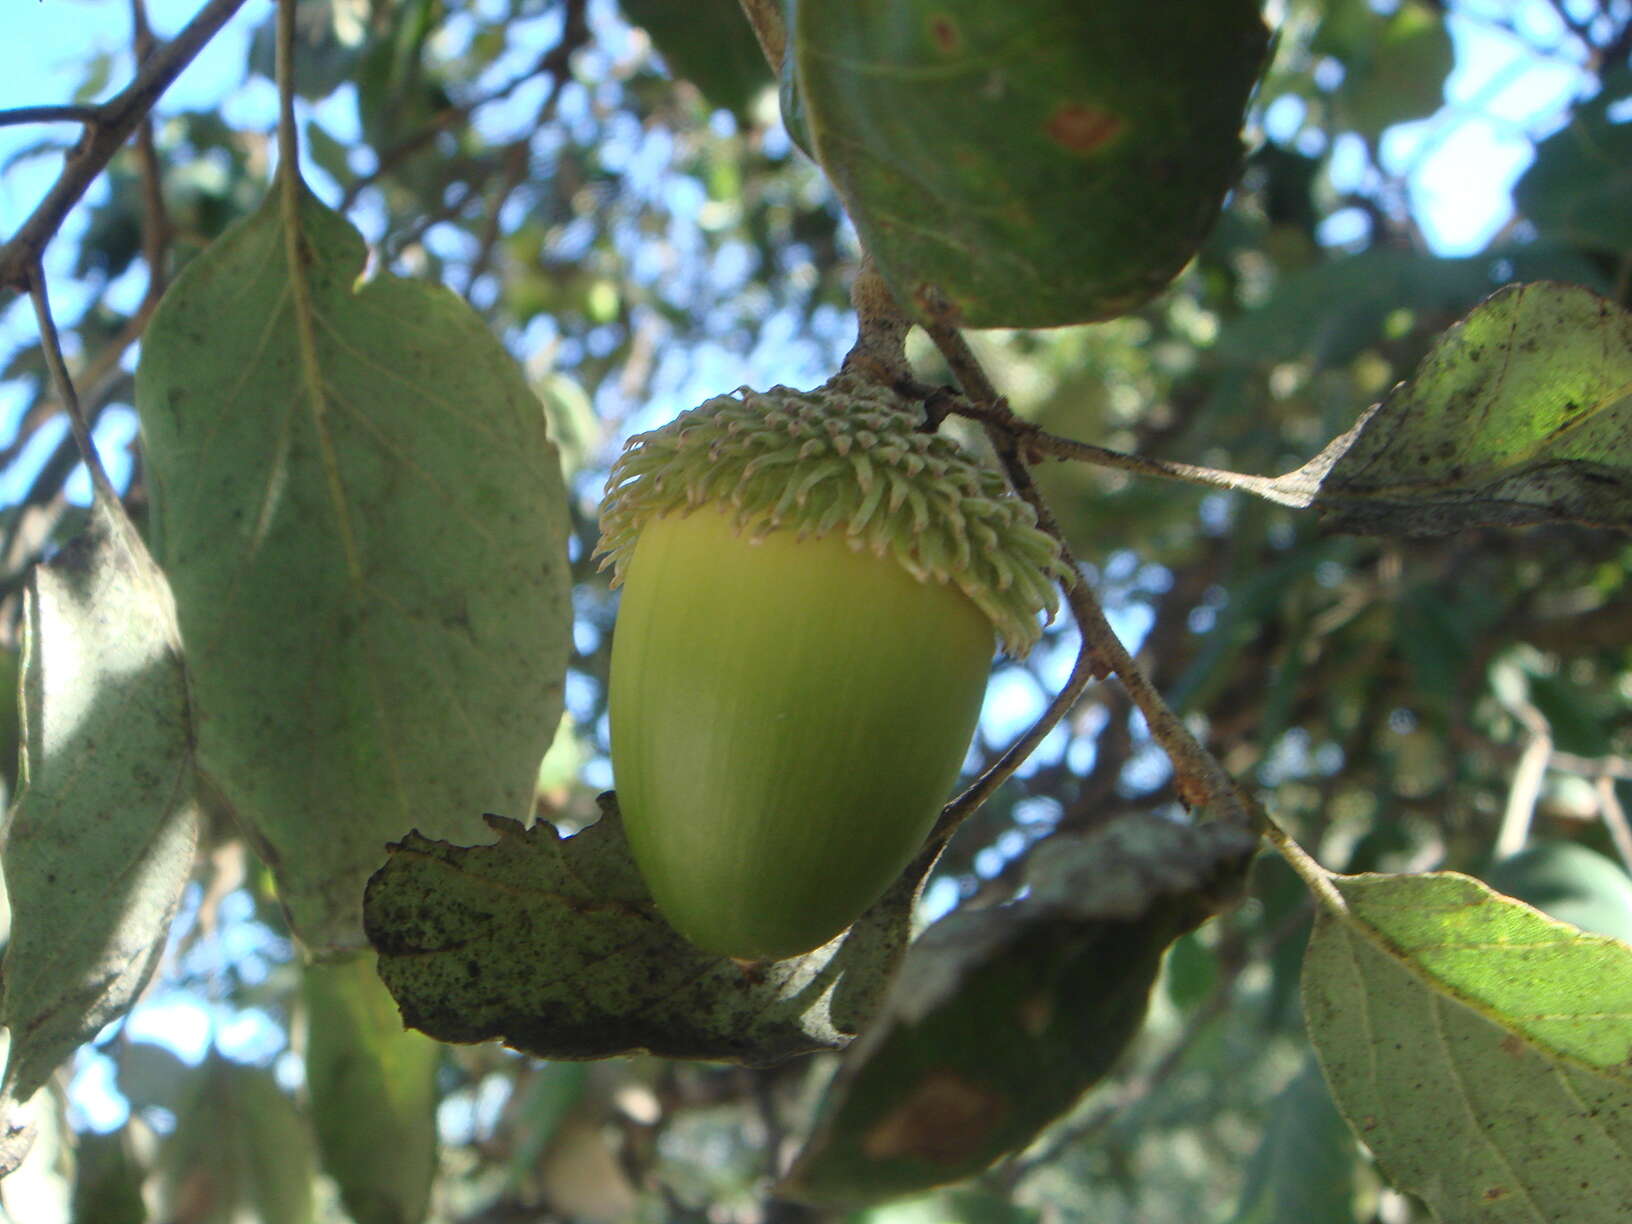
{"x":944,"y":31}
{"x":946,"y":1120}
{"x":1495,"y":1193}
{"x":1080,"y":128}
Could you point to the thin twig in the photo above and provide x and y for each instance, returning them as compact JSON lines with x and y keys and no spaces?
{"x":1316,"y":877}
{"x":1614,"y":818}
{"x":65,"y":387}
{"x":1198,"y":775}
{"x":1083,"y":673}
{"x":284,"y":67}
{"x":1591,"y":767}
{"x":1039,"y":442}
{"x":880,"y":351}
{"x":1525,"y":787}
{"x":517,"y":155}
{"x":155,"y":217}
{"x":101,"y":374}
{"x":115,"y":120}
{"x":82,"y":112}
{"x":515,"y":158}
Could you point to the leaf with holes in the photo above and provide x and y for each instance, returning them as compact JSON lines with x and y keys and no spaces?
{"x":365,"y":526}
{"x":1478,"y":1047}
{"x":100,"y":842}
{"x":553,"y":946}
{"x":1033,"y":163}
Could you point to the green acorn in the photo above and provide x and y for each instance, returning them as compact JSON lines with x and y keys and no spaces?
{"x":813,"y":590}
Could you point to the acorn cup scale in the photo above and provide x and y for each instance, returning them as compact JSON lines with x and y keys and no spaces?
{"x":813,"y":591}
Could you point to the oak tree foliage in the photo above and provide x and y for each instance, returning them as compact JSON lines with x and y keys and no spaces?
{"x":320,"y":903}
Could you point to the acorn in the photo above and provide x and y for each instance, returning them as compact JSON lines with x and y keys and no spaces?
{"x":813,"y":590}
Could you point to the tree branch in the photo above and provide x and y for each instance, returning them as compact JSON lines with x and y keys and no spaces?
{"x":114,"y":121}
{"x":1199,"y":777}
{"x":1614,"y":818}
{"x":72,"y":113}
{"x":65,"y":387}
{"x":155,"y":217}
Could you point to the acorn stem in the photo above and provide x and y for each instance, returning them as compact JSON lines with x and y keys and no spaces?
{"x":880,"y":350}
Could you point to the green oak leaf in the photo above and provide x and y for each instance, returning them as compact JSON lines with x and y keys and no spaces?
{"x":365,"y":526}
{"x":1002,"y":1018}
{"x":553,"y":946}
{"x":100,"y":842}
{"x":1478,"y":1047}
{"x":372,"y":1085}
{"x":1032,"y":163}
{"x":1519,"y":414}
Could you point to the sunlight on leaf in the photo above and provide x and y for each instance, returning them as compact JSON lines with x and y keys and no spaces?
{"x":1520,"y":414}
{"x":1479,"y":1048}
{"x":101,"y":839}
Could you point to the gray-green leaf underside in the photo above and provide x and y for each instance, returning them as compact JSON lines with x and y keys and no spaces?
{"x":364,"y":524}
{"x":101,"y":839}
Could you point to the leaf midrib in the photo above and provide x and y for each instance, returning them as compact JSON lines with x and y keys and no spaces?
{"x":304,"y":312}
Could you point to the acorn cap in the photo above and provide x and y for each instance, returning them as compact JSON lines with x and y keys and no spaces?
{"x":849,"y":457}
